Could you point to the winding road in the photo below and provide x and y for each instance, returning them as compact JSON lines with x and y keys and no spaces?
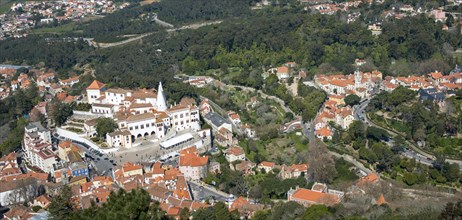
{"x":139,"y":37}
{"x":414,"y":152}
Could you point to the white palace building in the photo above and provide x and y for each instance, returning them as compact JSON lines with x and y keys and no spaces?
{"x":140,"y":113}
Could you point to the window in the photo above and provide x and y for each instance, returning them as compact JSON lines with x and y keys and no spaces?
{"x":181,"y":115}
{"x":147,"y":125}
{"x":187,"y":114}
{"x":142,"y":126}
{"x":136,"y":127}
{"x":152,"y":124}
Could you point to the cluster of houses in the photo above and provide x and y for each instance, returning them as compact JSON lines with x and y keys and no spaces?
{"x":21,"y":16}
{"x":67,"y":160}
{"x":359,"y":83}
{"x":330,"y":9}
{"x":333,"y":110}
{"x":434,"y":87}
{"x":47,"y":82}
{"x":17,"y":187}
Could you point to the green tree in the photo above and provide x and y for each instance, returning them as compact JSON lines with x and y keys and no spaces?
{"x":104,"y":126}
{"x":352,"y":99}
{"x":61,"y":206}
{"x":217,"y":212}
{"x":377,"y":134}
{"x":262,"y":215}
{"x":317,"y":212}
{"x":452,"y":211}
{"x":451,"y":171}
{"x":410,"y":178}
{"x":286,"y":211}
{"x":357,"y":130}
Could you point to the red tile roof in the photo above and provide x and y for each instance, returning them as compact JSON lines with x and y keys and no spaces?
{"x":316,"y":197}
{"x":96,"y":85}
{"x":193,"y":160}
{"x":381,"y":200}
{"x":130,"y":167}
{"x":267,"y":164}
{"x":235,"y":151}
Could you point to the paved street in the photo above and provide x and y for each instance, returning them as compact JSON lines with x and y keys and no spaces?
{"x":100,"y":163}
{"x":204,"y":192}
{"x":150,"y":150}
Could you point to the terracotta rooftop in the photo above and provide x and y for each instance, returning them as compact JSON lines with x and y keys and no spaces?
{"x":381,"y":200}
{"x":193,"y":160}
{"x":130,"y":167}
{"x":316,"y":197}
{"x":267,"y":164}
{"x":96,"y":85}
{"x":282,"y":70}
{"x":324,"y":132}
{"x":235,"y":151}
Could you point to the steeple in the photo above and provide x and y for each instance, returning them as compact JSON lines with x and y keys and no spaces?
{"x":160,"y":102}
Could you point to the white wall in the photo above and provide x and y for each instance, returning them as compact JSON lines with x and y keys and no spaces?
{"x":75,"y":137}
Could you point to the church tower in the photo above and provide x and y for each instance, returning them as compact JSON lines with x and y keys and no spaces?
{"x":161,"y":105}
{"x":358,"y":79}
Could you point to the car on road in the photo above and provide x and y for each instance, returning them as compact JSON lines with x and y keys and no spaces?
{"x":106,"y":158}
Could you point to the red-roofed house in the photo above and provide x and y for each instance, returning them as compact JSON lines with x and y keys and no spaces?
{"x":234,"y":117}
{"x":130,"y":169}
{"x":282,"y":72}
{"x":43,"y":201}
{"x":308,"y":197}
{"x":293,"y":171}
{"x":95,"y":90}
{"x":324,"y":133}
{"x":234,"y":154}
{"x":371,"y":178}
{"x":267,"y":166}
{"x":192,"y":165}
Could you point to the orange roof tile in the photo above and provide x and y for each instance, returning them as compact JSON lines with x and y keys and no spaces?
{"x":299,"y":167}
{"x":235,"y":151}
{"x":239,"y":202}
{"x":130,"y":167}
{"x":173,"y":211}
{"x":96,"y":85}
{"x":381,"y":200}
{"x":436,"y":75}
{"x":193,"y":160}
{"x":267,"y":164}
{"x":369,"y":178}
{"x":282,"y":70}
{"x":316,"y":197}
{"x":324,"y":132}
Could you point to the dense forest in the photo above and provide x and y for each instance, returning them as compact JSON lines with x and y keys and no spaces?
{"x":187,"y":11}
{"x":133,"y":20}
{"x":267,"y":38}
